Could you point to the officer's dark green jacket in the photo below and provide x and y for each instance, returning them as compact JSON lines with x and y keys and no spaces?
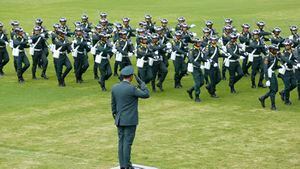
{"x":124,"y":103}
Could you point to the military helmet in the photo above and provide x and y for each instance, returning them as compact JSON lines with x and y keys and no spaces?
{"x":15,"y":23}
{"x":103,"y":34}
{"x":181,"y":19}
{"x":213,"y":38}
{"x":277,"y":29}
{"x":164,"y":21}
{"x":209,"y":23}
{"x":260,"y":23}
{"x":143,"y":23}
{"x":274,"y":47}
{"x":37,"y":28}
{"x":287,"y":42}
{"x":178,"y":33}
{"x":140,"y":30}
{"x":39,"y":21}
{"x":61,"y":31}
{"x":126,"y":19}
{"x":154,"y":36}
{"x":246,"y":25}
{"x":228,"y":27}
{"x":158,"y":28}
{"x":148,"y":16}
{"x":118,"y":25}
{"x":206,"y":30}
{"x":84,"y":17}
{"x":18,"y":29}
{"x":103,"y":14}
{"x":293,"y":28}
{"x":184,"y":25}
{"x":98,"y":26}
{"x":56,"y":25}
{"x":255,"y":32}
{"x":123,"y":32}
{"x":144,"y":37}
{"x":228,"y":20}
{"x":77,"y":24}
{"x":78,"y":29}
{"x":63,"y":19}
{"x":233,"y":36}
{"x":196,"y":40}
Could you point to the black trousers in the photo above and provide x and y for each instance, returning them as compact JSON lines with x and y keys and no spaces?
{"x":81,"y":64}
{"x":59,"y":63}
{"x":257,"y":67}
{"x":235,"y":72}
{"x":126,"y":136}
{"x":105,"y":71}
{"x":214,"y":78}
{"x":273,"y":89}
{"x":22,"y":59}
{"x":159,"y":67}
{"x":39,"y":56}
{"x":4,"y":58}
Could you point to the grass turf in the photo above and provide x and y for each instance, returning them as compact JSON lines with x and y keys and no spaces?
{"x":44,"y":126}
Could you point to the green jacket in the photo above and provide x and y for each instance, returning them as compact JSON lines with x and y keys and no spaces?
{"x":124,"y":103}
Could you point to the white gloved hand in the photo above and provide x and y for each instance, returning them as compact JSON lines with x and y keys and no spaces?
{"x":156,"y":52}
{"x":130,"y":54}
{"x":29,"y":40}
{"x":268,"y":83}
{"x":114,"y":50}
{"x":242,"y":57}
{"x":42,"y":35}
{"x":88,"y":43}
{"x":192,"y":25}
{"x":169,"y":45}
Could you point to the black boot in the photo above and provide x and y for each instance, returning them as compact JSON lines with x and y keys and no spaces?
{"x":197,"y":99}
{"x":232,"y":90}
{"x":153,"y":86}
{"x":281,"y":95}
{"x":253,"y":85}
{"x":34,"y":77}
{"x":273,"y":107}
{"x":44,"y":76}
{"x":190,"y":92}
{"x":159,"y":85}
{"x":262,"y":101}
{"x":260,"y":84}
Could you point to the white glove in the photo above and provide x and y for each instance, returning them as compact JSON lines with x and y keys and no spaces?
{"x":42,"y":35}
{"x":130,"y":54}
{"x":215,"y":65}
{"x":156,"y":52}
{"x":88,"y":43}
{"x":224,"y":48}
{"x":169,"y":45}
{"x":268,"y":83}
{"x":74,"y":41}
{"x":242,"y":57}
{"x":29,"y":40}
{"x":114,"y":50}
{"x":50,"y":32}
{"x":192,"y":25}
{"x":194,"y":34}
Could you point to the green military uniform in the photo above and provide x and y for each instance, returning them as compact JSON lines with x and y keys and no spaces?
{"x":81,"y":63}
{"x":105,"y":50}
{"x":270,"y":65}
{"x":289,"y":60}
{"x":179,"y":63}
{"x":39,"y":45}
{"x":124,"y":104}
{"x":235,"y":70}
{"x":21,"y":42}
{"x":4,"y":58}
{"x":196,"y":57}
{"x":158,"y":67}
{"x":124,"y":46}
{"x":257,"y":48}
{"x":212,"y":55}
{"x":244,"y":38}
{"x":95,"y":41}
{"x":144,"y":53}
{"x":65,"y":47}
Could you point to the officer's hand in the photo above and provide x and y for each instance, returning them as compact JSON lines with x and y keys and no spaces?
{"x":268,"y":83}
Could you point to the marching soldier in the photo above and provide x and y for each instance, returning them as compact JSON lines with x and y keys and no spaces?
{"x":228,"y":29}
{"x":209,"y":24}
{"x":158,"y":66}
{"x":257,"y":47}
{"x":234,"y":67}
{"x":289,"y":60}
{"x":180,"y":21}
{"x":212,"y":55}
{"x":124,"y":105}
{"x":205,"y":41}
{"x":38,"y":45}
{"x":164,"y":40}
{"x":276,"y":38}
{"x":4,"y":58}
{"x":195,"y":58}
{"x":297,"y":71}
{"x":104,"y":50}
{"x":106,"y":26}
{"x":179,"y":52}
{"x":103,"y":15}
{"x":229,"y":21}
{"x":295,"y":37}
{"x":13,"y":35}
{"x":63,"y":25}
{"x":166,"y":30}
{"x":80,"y":48}
{"x":262,"y":32}
{"x":86,"y":25}
{"x":44,"y":32}
{"x":128,"y":28}
{"x":95,"y":41}
{"x":245,"y":37}
{"x":19,"y":44}
{"x":60,"y":55}
{"x":124,"y":49}
{"x":119,"y":28}
{"x":150,"y":24}
{"x":270,"y":66}
{"x":144,"y":54}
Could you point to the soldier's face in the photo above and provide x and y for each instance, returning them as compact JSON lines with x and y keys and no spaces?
{"x":233,"y":40}
{"x":125,"y":22}
{"x":206,"y":34}
{"x":214,"y":42}
{"x":256,"y":36}
{"x":63,"y":23}
{"x":245,"y":29}
{"x":294,"y":32}
{"x":123,"y":36}
{"x":144,"y":41}
{"x":198,"y":44}
{"x":184,"y":29}
{"x":288,"y":47}
{"x":37,"y":32}
{"x":209,"y":26}
{"x":273,"y":51}
{"x":154,"y":40}
{"x":79,"y":33}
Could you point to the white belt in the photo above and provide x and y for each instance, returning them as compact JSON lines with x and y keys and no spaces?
{"x":104,"y":58}
{"x":38,"y":50}
{"x":256,"y":56}
{"x":2,"y":46}
{"x":181,"y":55}
{"x":79,"y":52}
{"x":62,"y":52}
{"x":233,"y":60}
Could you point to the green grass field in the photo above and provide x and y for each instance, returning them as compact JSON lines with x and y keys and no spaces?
{"x":44,"y":126}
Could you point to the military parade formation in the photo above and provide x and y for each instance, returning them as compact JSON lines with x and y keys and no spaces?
{"x":206,"y":58}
